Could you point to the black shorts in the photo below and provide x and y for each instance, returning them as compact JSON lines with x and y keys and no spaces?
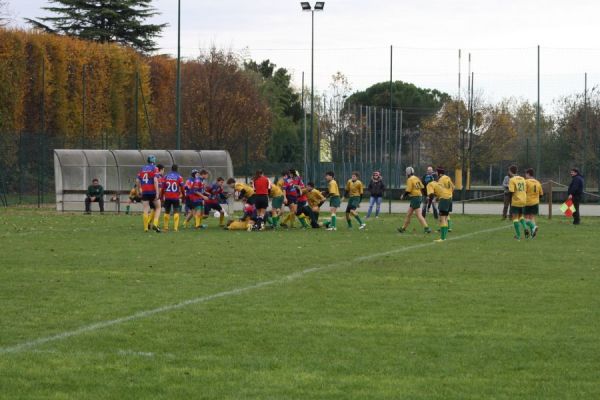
{"x":208,"y":207}
{"x":251,"y":199}
{"x":291,"y":200}
{"x":176,"y":204}
{"x":149,"y":197}
{"x":261,"y":201}
{"x":136,"y":199}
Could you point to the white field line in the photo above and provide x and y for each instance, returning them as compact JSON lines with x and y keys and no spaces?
{"x":198,"y":300}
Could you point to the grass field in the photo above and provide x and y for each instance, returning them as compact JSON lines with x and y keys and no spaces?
{"x":94,"y":308}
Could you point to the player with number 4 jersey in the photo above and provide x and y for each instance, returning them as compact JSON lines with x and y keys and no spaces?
{"x":149,"y":190}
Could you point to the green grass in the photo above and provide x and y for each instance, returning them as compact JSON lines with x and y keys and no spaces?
{"x":480,"y":316}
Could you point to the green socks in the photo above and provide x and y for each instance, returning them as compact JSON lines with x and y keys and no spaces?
{"x":127,"y":209}
{"x":333,"y":220}
{"x":444,"y":232}
{"x":349,"y":221}
{"x":358,"y":219}
{"x":517,"y":229}
{"x":302,"y":219}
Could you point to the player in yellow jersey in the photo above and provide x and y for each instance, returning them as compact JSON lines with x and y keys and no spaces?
{"x":333,"y":192}
{"x":446,"y":182}
{"x":315,"y":200}
{"x":277,"y":199}
{"x":532,"y":205}
{"x":413,"y":191}
{"x":354,"y":191}
{"x":517,"y":188}
{"x":444,"y":197}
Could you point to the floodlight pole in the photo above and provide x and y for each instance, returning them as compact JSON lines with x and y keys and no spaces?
{"x":178,"y":88}
{"x":312,"y":89}
{"x":537,"y":119}
{"x":305,"y":171}
{"x":390,"y":130}
{"x":585,"y":125}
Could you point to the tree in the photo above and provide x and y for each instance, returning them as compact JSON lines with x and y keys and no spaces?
{"x":119,"y":21}
{"x":285,"y":144}
{"x":416,"y":102}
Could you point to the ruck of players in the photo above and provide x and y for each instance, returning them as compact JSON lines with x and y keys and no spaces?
{"x":288,"y":200}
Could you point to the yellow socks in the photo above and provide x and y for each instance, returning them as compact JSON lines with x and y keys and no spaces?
{"x":176,"y":222}
{"x":166,"y":222}
{"x":146,"y":219}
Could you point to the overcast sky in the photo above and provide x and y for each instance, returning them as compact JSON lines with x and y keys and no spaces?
{"x":353,"y":37}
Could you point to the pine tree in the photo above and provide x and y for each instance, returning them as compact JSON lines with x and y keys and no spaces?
{"x":120,"y":21}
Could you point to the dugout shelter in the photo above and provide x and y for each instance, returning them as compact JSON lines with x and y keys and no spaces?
{"x":117,"y":171}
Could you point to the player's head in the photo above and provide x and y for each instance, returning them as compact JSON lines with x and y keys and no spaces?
{"x":512,"y":170}
{"x":231,"y":182}
{"x":161,"y":168}
{"x":439,"y":170}
{"x":310,"y":185}
{"x":329,"y":176}
{"x":529,"y":173}
{"x":429,"y":170}
{"x":410,"y":171}
{"x":220,"y":181}
{"x":284,"y":174}
{"x":203,"y":174}
{"x":174,"y":167}
{"x":355,"y":175}
{"x":257,"y":173}
{"x":95,"y":182}
{"x":293,"y":172}
{"x":152,"y":159}
{"x":194,"y":173}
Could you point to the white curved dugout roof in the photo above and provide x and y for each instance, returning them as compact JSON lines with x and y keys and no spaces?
{"x":117,"y":170}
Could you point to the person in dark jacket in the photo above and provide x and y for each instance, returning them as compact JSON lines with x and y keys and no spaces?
{"x":95,"y":194}
{"x":429,"y":203}
{"x":376,"y":189}
{"x":507,"y":196}
{"x":575,"y":192}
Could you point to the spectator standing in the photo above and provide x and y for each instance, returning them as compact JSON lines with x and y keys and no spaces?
{"x":376,"y":190}
{"x":95,"y":194}
{"x":507,"y":196}
{"x":575,"y":192}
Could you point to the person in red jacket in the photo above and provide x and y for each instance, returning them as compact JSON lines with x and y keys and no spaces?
{"x":262,"y":186}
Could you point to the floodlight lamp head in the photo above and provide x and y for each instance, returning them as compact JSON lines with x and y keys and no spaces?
{"x":305,"y":6}
{"x":319,"y":5}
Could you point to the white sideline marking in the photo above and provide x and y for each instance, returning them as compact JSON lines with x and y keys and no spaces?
{"x":296,"y":275}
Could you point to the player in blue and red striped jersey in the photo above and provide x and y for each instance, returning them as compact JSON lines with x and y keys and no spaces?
{"x":149,"y":191}
{"x":171,"y":193}
{"x":215,"y":193}
{"x":160,"y":178}
{"x":302,"y":199}
{"x":291,"y":197}
{"x":194,"y":189}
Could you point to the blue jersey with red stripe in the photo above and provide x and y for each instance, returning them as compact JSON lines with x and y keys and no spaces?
{"x":290,"y":190}
{"x":147,"y":176}
{"x":214,"y":192}
{"x":194,"y":188}
{"x":300,"y":184}
{"x":172,"y":187}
